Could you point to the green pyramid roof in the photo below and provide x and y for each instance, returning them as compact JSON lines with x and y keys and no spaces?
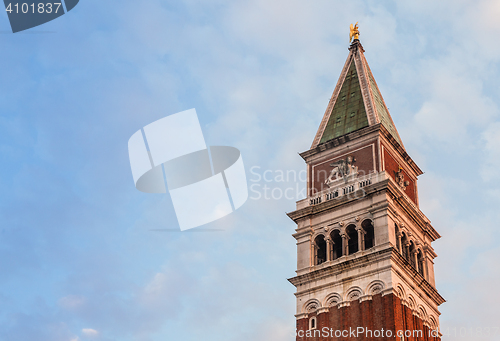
{"x":356,"y":101}
{"x":348,"y":113}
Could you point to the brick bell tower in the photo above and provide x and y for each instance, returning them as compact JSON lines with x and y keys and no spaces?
{"x":364,"y":256}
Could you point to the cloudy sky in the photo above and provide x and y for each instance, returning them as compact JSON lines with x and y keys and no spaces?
{"x":79,"y":255}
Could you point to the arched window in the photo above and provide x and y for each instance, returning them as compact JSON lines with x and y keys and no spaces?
{"x":369,"y":234}
{"x":420,"y":259}
{"x":320,"y":244}
{"x":336,"y":245}
{"x":312,"y":323}
{"x":352,"y":239}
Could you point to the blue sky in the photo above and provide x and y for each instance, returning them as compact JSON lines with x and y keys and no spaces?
{"x":78,"y":259}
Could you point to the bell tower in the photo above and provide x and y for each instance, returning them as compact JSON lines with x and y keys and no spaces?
{"x":364,"y":255}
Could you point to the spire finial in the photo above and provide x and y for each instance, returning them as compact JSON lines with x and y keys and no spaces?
{"x":354,"y":32}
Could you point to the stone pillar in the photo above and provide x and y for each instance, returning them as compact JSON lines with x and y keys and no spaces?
{"x":313,"y":253}
{"x":407,"y":249}
{"x":424,"y":264}
{"x":398,"y":242}
{"x":415,"y":258}
{"x":361,"y":238}
{"x":345,"y":245}
{"x":329,"y":249}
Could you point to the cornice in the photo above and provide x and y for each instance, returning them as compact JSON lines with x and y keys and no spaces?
{"x":334,"y":269}
{"x":331,"y":144}
{"x":341,"y":140}
{"x":417,"y":278}
{"x":331,"y":205}
{"x":398,"y":264}
{"x":399,"y":202}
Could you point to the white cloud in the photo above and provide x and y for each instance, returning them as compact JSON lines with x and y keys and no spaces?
{"x":90,"y":332}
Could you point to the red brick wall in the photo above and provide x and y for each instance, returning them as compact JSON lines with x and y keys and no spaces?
{"x":391,"y":167}
{"x":364,"y":156}
{"x":382,"y":312}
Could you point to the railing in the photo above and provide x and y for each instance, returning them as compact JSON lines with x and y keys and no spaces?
{"x":332,"y":195}
{"x":348,"y":189}
{"x":365,"y":183}
{"x":315,"y":201}
{"x":341,"y":191}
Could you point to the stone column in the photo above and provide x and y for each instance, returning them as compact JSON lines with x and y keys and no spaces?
{"x":313,"y":253}
{"x":345,"y":245}
{"x":328,"y":249}
{"x":407,"y":249}
{"x":424,"y":264}
{"x":361,"y":238}
{"x":415,"y":258}
{"x":398,"y":242}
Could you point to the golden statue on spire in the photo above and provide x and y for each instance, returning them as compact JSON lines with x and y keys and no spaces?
{"x":354,"y":32}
